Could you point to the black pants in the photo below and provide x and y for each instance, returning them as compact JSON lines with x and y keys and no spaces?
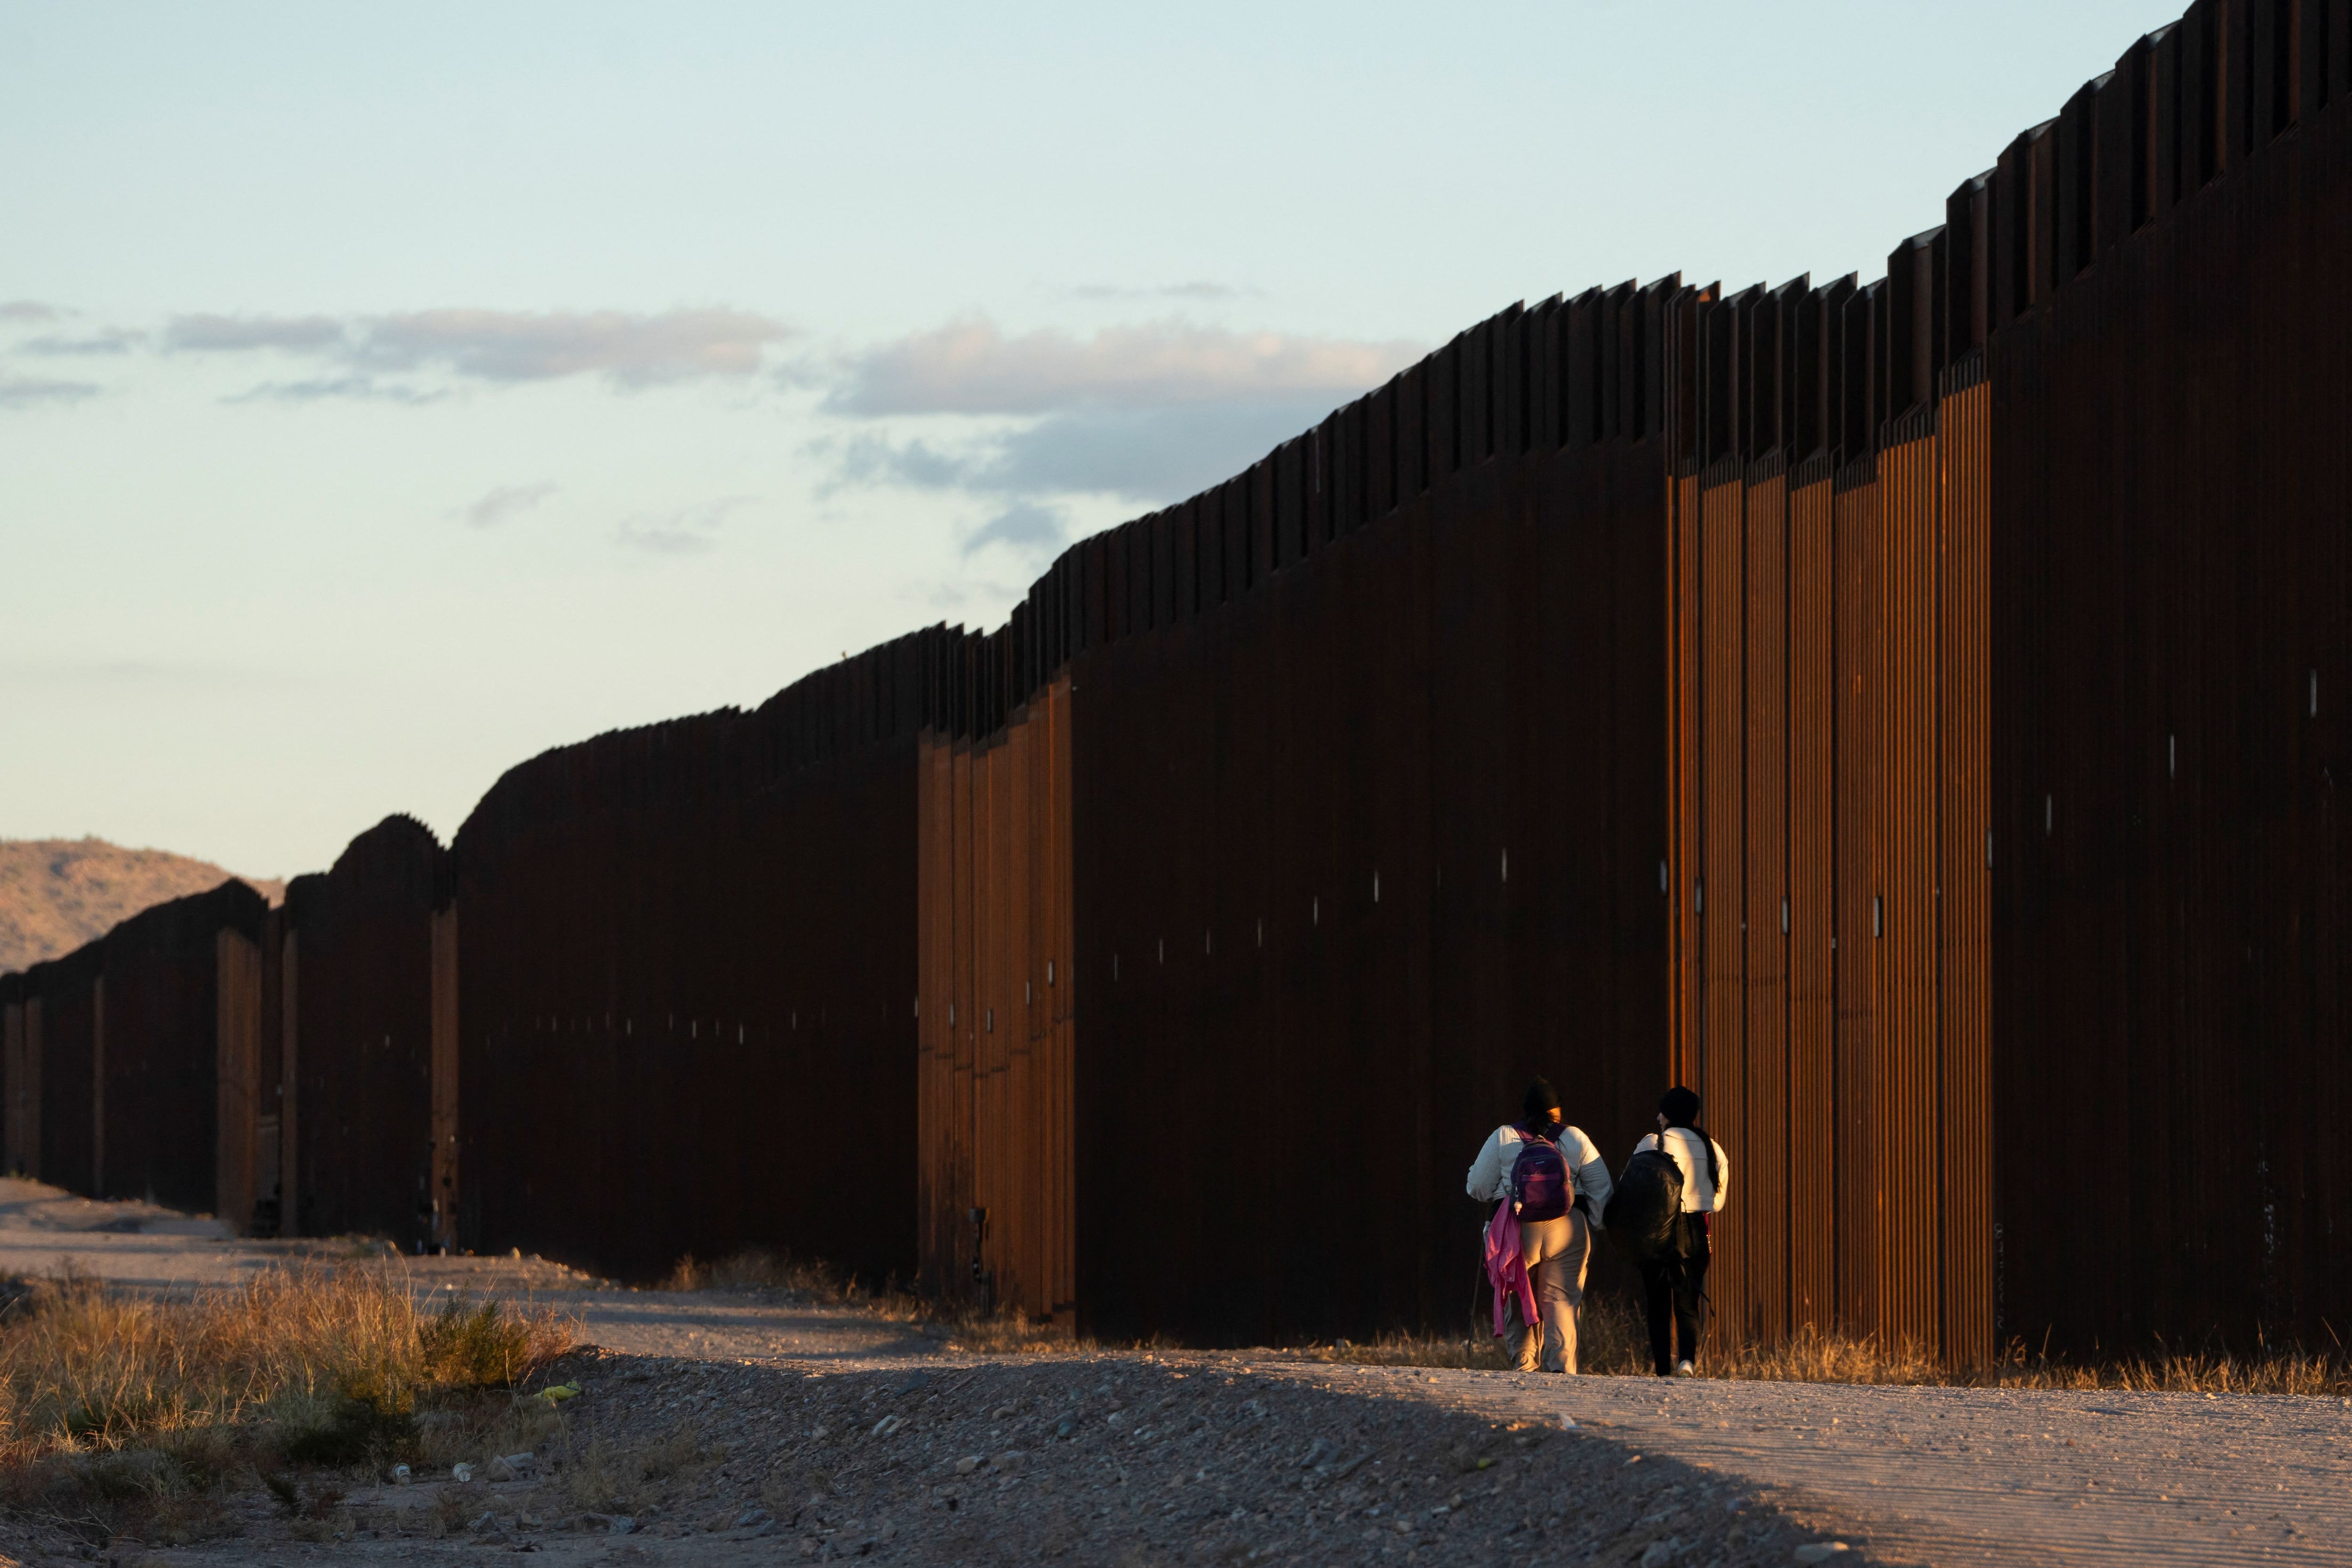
{"x":1676,"y":1296}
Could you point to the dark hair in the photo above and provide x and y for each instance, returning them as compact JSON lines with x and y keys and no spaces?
{"x":1679,"y":1106}
{"x":1536,"y":1106}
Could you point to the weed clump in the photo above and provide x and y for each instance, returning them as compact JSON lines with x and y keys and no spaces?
{"x":116,"y":1408}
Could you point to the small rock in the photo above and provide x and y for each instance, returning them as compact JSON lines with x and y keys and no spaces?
{"x":1662,"y":1553}
{"x":888,"y":1425}
{"x":592,"y":1521}
{"x":622,"y":1524}
{"x":1065,"y":1429}
{"x":1008,"y":1460}
{"x":754,"y":1516}
{"x":1002,"y":1413}
{"x":968,"y":1464}
{"x":487,"y":1522}
{"x":400,"y":1476}
{"x":1322,"y":1449}
{"x":528,"y":1522}
{"x":513,"y":1466}
{"x":1821,"y":1551}
{"x":461,"y":1472}
{"x":914,"y":1380}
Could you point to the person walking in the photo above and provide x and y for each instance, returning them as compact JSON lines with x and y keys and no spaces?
{"x":1676,"y":1286}
{"x":1549,"y":1180}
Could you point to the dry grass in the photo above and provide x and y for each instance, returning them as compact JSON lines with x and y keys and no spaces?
{"x":1609,"y":1338}
{"x":1812,"y":1356}
{"x":816,"y":1283}
{"x":1613,"y":1338}
{"x":119,"y":1410}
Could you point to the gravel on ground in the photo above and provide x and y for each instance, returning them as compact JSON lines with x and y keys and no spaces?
{"x":720,"y":1428}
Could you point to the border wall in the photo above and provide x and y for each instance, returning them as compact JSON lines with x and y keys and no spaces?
{"x":1911,"y":712}
{"x":688,"y":987}
{"x":359,"y":996}
{"x":2172,"y":627}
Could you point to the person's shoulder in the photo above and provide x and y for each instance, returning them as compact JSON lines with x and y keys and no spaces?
{"x":1578,"y":1138}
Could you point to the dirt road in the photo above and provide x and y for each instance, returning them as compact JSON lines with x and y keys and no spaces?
{"x":716,"y":1430}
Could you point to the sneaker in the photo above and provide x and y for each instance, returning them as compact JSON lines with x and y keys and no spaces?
{"x":1684,"y":1369}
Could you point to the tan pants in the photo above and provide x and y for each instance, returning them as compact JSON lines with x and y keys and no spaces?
{"x":1555,"y":1252}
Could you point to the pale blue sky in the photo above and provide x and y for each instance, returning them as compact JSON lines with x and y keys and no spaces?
{"x":388,"y":394}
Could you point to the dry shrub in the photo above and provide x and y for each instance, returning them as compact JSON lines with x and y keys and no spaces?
{"x":1009,"y":1331}
{"x":598,"y":1478}
{"x":1609,"y":1338}
{"x":761,"y":1268}
{"x":118,"y":1409}
{"x":818,"y":1283}
{"x":679,"y":1453}
{"x":1810,"y":1355}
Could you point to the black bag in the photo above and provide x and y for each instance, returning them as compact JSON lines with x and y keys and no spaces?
{"x":1644,"y":1213}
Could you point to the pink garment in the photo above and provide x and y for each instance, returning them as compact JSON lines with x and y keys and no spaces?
{"x":1505,"y":1269}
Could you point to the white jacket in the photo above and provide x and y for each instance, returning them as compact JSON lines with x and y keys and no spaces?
{"x":1699,"y":1194}
{"x":1490,"y":1173}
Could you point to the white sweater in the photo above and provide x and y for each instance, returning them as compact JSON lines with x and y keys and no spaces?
{"x":1490,"y":1173}
{"x":1699,"y":1194}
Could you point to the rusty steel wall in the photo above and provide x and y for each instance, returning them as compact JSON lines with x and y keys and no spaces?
{"x":2171,"y":429}
{"x":687,"y":985}
{"x":996,"y":1015}
{"x":1369,"y":807}
{"x":237,"y":1005}
{"x":179,"y":1003}
{"x":1911,"y":713}
{"x":61,"y":1024}
{"x":19,"y":1147}
{"x":361,"y":1085}
{"x":1813,"y":730}
{"x":2090,"y":444}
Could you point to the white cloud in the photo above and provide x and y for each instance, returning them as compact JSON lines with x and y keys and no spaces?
{"x":1026,"y":527}
{"x":633,"y":350}
{"x":688,"y":531}
{"x":324,"y":389}
{"x":629,"y":349}
{"x":1200,"y":291}
{"x":1149,"y":457}
{"x":971,"y":367}
{"x":109,"y":341}
{"x":504,"y":502}
{"x":28,"y":391}
{"x":237,"y":334}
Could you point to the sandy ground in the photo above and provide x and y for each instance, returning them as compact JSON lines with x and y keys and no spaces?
{"x":718,"y":1429}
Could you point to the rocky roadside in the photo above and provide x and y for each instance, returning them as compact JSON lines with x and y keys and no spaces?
{"x":1182,"y":1458}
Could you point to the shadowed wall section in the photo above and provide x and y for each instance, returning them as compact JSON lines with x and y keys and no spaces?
{"x":2171,"y":429}
{"x":688,"y":977}
{"x":360,"y":1153}
{"x":177,"y":1068}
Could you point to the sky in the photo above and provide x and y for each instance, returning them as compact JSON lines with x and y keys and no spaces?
{"x":390,"y":393}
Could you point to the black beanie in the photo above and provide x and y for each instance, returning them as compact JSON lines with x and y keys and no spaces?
{"x":1679,"y":1106}
{"x":1539,"y":1101}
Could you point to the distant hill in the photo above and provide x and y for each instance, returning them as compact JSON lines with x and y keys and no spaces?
{"x":57,"y":893}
